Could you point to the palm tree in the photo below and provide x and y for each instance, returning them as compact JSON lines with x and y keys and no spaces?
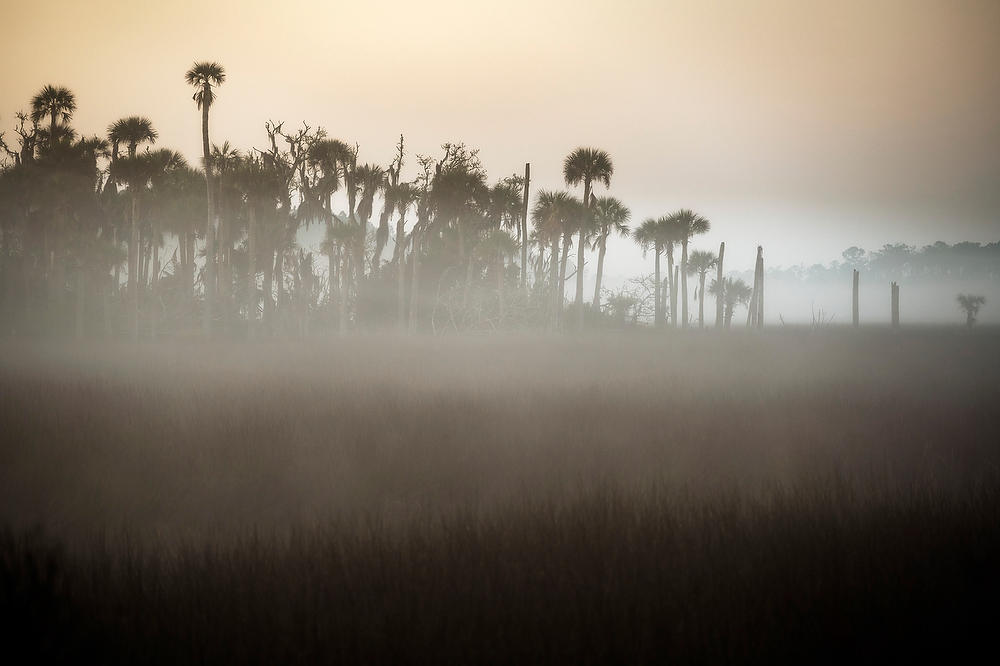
{"x":54,"y":102}
{"x":131,"y":131}
{"x":226,"y":162}
{"x":404,"y":196}
{"x":585,"y":165}
{"x":610,"y":216}
{"x":134,"y":172}
{"x":371,"y":178}
{"x":671,"y":233}
{"x":733,"y":292}
{"x":205,"y":77}
{"x":259,"y":184}
{"x":325,"y":158}
{"x":699,"y":263}
{"x":688,"y":224}
{"x":163,"y":164}
{"x":649,"y":235}
{"x":556,"y":214}
{"x":971,"y":305}
{"x":499,"y":244}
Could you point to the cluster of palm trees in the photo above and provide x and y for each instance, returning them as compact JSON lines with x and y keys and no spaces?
{"x":216,"y":244}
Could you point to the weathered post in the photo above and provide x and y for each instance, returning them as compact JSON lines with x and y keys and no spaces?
{"x":895,"y":305}
{"x":755,"y":307}
{"x":760,"y":287}
{"x":718,"y":286}
{"x":854,"y":307}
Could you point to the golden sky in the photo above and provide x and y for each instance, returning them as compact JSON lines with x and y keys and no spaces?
{"x":804,"y":126}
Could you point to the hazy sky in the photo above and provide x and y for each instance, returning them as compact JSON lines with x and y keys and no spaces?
{"x":803,"y":126}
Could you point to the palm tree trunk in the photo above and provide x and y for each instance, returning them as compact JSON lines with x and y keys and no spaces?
{"x":251,"y":270}
{"x":657,"y":310}
{"x":415,"y":281}
{"x":381,"y":236}
{"x":524,"y":229}
{"x":154,"y":310}
{"x":268,"y":320}
{"x":118,"y":266}
{"x":331,"y":266}
{"x":701,"y":300}
{"x":561,"y":288}
{"x":672,"y":287}
{"x":500,"y":285}
{"x":554,"y":279}
{"x":81,"y":286}
{"x":399,"y":259}
{"x":578,"y":302}
{"x":684,"y":283}
{"x":854,"y":299}
{"x":209,"y":234}
{"x":600,"y":272}
{"x":133,"y":267}
{"x":345,"y":273}
{"x":718,"y":297}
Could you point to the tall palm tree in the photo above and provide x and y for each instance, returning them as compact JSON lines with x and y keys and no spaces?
{"x":649,"y":235}
{"x":587,"y":166}
{"x":688,"y":224}
{"x":55,"y":102}
{"x":205,"y":77}
{"x":733,"y":292}
{"x":131,"y":131}
{"x":610,"y":216}
{"x":699,"y":263}
{"x":671,"y":232}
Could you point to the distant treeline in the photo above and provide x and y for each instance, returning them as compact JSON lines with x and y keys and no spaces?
{"x":940,"y":261}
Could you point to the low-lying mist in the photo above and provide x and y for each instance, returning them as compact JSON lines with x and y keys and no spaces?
{"x":191,"y":439}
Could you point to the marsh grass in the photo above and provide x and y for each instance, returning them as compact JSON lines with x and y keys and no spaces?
{"x":811,"y":496}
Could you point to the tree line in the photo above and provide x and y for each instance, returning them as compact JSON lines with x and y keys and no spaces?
{"x":114,"y":235}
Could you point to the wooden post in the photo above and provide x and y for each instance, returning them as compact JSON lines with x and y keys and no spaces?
{"x":854,"y":307}
{"x":760,"y":287}
{"x":524,"y":228}
{"x":718,"y":284}
{"x":895,"y":305}
{"x":755,"y":308}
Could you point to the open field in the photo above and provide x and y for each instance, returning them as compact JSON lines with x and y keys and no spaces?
{"x":823,"y":495}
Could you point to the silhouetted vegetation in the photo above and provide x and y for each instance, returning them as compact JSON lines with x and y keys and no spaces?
{"x":215,"y":246}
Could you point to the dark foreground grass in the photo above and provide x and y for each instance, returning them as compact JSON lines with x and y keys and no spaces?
{"x":794,"y":497}
{"x":811,"y":575}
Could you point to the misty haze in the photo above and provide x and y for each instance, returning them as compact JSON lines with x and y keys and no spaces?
{"x":457,"y":333}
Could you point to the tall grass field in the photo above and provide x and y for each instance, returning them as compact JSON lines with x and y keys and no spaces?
{"x":797,"y":496}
